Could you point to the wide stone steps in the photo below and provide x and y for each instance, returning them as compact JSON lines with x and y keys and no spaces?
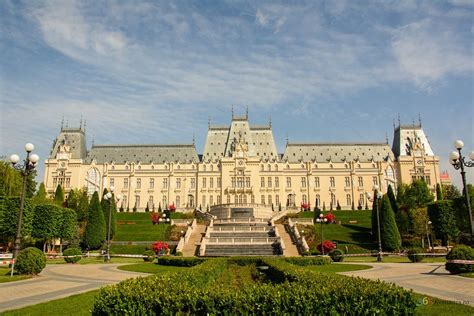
{"x":242,"y":250}
{"x":242,"y":234}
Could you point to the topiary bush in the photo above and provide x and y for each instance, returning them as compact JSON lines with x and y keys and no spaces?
{"x":148,"y":256}
{"x":30,"y":260}
{"x":74,"y":254}
{"x":308,"y":261}
{"x":180,"y":261}
{"x":460,"y":252}
{"x":337,"y":255}
{"x":415,"y":254}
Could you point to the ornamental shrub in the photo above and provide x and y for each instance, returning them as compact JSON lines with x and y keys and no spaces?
{"x":74,"y":253}
{"x":308,"y":261}
{"x":148,"y":255}
{"x":180,"y":261}
{"x":94,"y":234}
{"x":327,"y":245}
{"x":415,"y":254}
{"x":337,"y":255}
{"x":30,"y":261}
{"x":460,"y":252}
{"x":390,"y":235}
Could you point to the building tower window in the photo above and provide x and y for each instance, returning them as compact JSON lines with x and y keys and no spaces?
{"x":332,"y":182}
{"x":262,"y":182}
{"x":318,"y":200}
{"x":303,"y":182}
{"x":193,"y":183}
{"x":305,"y":201}
{"x":211,"y":183}
{"x":375,"y":181}
{"x":247,"y":182}
{"x":204,"y":183}
{"x":152,"y":183}
{"x":348,"y":182}
{"x":361,"y":182}
{"x":137,"y":201}
{"x":165,"y":183}
{"x":269,"y":182}
{"x":164,"y":201}
{"x":277,"y":182}
{"x":178,"y":183}
{"x":316,"y":182}
{"x":139,"y":183}
{"x":288,"y":182}
{"x":125,"y":183}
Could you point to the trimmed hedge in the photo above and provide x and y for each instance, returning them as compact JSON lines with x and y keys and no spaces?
{"x":336,"y":255}
{"x":415,"y":255}
{"x":149,"y":255}
{"x":308,"y":261}
{"x":180,"y":261}
{"x":72,"y":252}
{"x":460,"y":252}
{"x":292,"y":290}
{"x":30,"y":260}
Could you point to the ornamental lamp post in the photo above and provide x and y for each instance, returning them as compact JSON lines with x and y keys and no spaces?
{"x":459,"y":162}
{"x":108,"y":197}
{"x":322,"y":220}
{"x":29,"y":164}
{"x":377,"y":197}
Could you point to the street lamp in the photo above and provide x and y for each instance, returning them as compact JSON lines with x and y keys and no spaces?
{"x":29,"y":164}
{"x":459,"y":162}
{"x":108,"y":196}
{"x":428,"y":225}
{"x":322,"y":220}
{"x":377,"y":197}
{"x":165,"y":220}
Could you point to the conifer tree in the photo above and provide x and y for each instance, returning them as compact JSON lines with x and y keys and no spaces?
{"x":393,"y":200}
{"x":113,"y":205}
{"x":373,"y":217}
{"x":94,"y":234}
{"x":59,"y":195}
{"x":82,"y":206}
{"x":439,"y":192}
{"x":390,"y":235}
{"x":40,"y":196}
{"x":72,"y":200}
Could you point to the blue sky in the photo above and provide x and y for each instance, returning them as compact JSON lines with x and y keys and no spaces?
{"x":153,"y":72}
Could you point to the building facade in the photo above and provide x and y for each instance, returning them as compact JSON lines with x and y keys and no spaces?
{"x":240,"y":165}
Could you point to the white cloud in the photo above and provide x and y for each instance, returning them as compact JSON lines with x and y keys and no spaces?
{"x":427,"y":51}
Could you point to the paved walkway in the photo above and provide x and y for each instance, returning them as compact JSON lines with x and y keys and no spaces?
{"x":290,"y":247}
{"x":425,"y":278}
{"x":190,"y":248}
{"x":58,"y":281}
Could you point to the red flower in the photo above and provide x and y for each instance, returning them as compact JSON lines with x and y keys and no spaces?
{"x":172,"y":208}
{"x":158,"y":246}
{"x":328,"y":246}
{"x":154,"y":218}
{"x":305,"y":206}
{"x":330,"y":217}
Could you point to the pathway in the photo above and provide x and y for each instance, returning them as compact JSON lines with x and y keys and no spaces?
{"x":290,"y":248}
{"x":425,"y":278}
{"x":58,"y":281}
{"x":189,"y":249}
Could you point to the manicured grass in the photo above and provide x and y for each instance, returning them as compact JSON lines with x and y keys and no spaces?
{"x":338,"y":267}
{"x":467,"y":275}
{"x":356,"y":236}
{"x":391,"y":259}
{"x":129,"y":249}
{"x":138,"y":227}
{"x":237,"y":276}
{"x":5,"y":276}
{"x":149,"y":267}
{"x":428,"y":305}
{"x":79,"y":304}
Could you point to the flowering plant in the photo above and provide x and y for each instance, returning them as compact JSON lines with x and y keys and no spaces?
{"x":327,"y":245}
{"x":330,"y":217}
{"x":158,"y":246}
{"x":154,"y":218}
{"x":305,"y":206}
{"x":172,"y":208}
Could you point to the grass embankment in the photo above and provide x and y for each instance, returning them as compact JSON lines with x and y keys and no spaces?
{"x":393,"y":259}
{"x":138,"y":227}
{"x":354,"y":230}
{"x":5,"y":276}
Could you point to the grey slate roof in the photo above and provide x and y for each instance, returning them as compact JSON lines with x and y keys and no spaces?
{"x":185,"y":153}
{"x":75,"y":138}
{"x":404,"y":138}
{"x":337,"y":152}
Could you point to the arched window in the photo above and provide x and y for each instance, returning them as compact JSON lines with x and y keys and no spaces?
{"x":93,"y":181}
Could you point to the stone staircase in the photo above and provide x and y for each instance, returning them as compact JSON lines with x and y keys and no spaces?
{"x":240,"y":237}
{"x":191,"y":247}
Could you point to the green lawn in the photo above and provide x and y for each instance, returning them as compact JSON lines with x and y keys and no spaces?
{"x":467,"y":275}
{"x":391,"y":259}
{"x":356,"y":236}
{"x":431,"y":306}
{"x":5,"y":276}
{"x":138,"y":227}
{"x":79,"y":304}
{"x":338,"y":267}
{"x":96,"y":260}
{"x":149,"y":267}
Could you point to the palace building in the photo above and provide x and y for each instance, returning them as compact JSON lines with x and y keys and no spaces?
{"x":241,"y":165}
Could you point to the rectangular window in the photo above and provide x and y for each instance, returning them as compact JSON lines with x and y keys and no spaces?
{"x":303,"y":182}
{"x":348,"y":182}
{"x":262,"y":183}
{"x":125,"y":183}
{"x":277,"y":199}
{"x":304,"y":199}
{"x":204,"y":184}
{"x":277,"y":182}
{"x":137,"y":201}
{"x":124,"y":201}
{"x":361,"y":199}
{"x":247,"y":182}
{"x":211,"y":183}
{"x":361,"y":182}
{"x":203,"y":201}
{"x":270,"y":200}
{"x":269,"y":182}
{"x":288,"y":182}
{"x":262,"y":199}
{"x":427,"y":179}
{"x":165,"y":201}
{"x":348,"y":199}
{"x":165,"y":183}
{"x":332,"y":182}
{"x":152,"y":183}
{"x":112,"y":182}
{"x":316,"y":182}
{"x":375,"y":181}
{"x":139,"y":183}
{"x":233,"y":182}
{"x":211,"y":200}
{"x":178,"y":201}
{"x":178,"y":183}
{"x":68,"y":182}
{"x":219,"y":184}
{"x":193,"y":183}
{"x":252,"y":198}
{"x":240,"y":182}
{"x":150,"y":199}
{"x":219,"y":199}
{"x":55,"y":182}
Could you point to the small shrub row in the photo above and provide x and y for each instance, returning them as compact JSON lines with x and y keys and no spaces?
{"x":180,"y":261}
{"x":460,"y":252}
{"x":308,"y":261}
{"x":244,"y":261}
{"x":297,"y":291}
{"x":72,"y":255}
{"x":415,"y":254}
{"x":148,"y":255}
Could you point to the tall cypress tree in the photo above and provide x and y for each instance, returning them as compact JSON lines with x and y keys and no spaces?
{"x":105,"y":205}
{"x":374,"y":217}
{"x":113,"y":205}
{"x":391,"y":239}
{"x":59,"y":195}
{"x":40,"y":196}
{"x":72,"y":200}
{"x":393,"y":200}
{"x":82,"y":206}
{"x":439,"y":192}
{"x":94,"y":234}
